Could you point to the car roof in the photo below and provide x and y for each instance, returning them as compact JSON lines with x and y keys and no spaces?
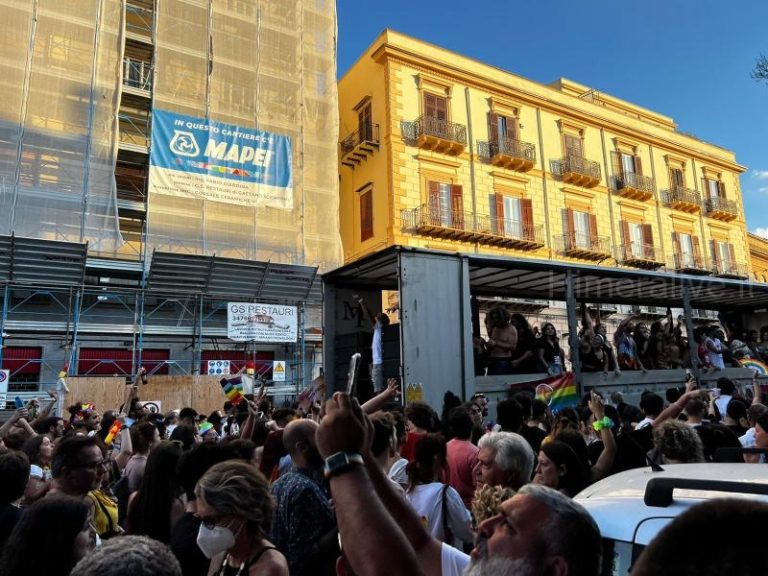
{"x":617,"y":503}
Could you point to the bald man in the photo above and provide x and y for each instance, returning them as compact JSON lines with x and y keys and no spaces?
{"x":303,"y":513}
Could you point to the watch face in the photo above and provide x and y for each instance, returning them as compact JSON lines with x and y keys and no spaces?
{"x":336,"y":460}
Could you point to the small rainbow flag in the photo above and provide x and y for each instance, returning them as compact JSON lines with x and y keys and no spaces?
{"x":233,"y":389}
{"x":756,"y":365}
{"x":557,"y":391}
{"x":113,"y":431}
{"x":204,"y":428}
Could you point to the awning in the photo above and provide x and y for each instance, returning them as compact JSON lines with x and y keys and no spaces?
{"x":41,"y":262}
{"x":546,"y":280}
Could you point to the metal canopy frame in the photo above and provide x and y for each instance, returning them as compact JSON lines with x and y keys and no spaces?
{"x":229,"y":278}
{"x":547,"y":280}
{"x":41,"y":262}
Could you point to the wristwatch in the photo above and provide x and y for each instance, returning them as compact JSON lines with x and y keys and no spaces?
{"x":340,"y":462}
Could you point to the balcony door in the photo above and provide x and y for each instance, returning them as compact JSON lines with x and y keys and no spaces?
{"x":713,"y":189}
{"x":628,"y":164}
{"x":573,"y":146}
{"x":446,"y":205}
{"x":365,"y":123}
{"x":513,"y":219}
{"x":687,"y":255}
{"x":676,"y":178}
{"x":582,"y":230}
{"x":636,"y":239}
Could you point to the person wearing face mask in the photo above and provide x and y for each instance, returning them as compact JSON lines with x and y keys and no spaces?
{"x":235,"y":510}
{"x":303,"y":514}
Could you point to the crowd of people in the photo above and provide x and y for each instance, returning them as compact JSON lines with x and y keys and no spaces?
{"x":513,"y":346}
{"x":335,"y":487}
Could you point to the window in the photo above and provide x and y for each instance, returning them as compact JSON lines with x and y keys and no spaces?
{"x":573,"y":146}
{"x":365,"y":123}
{"x":581,"y":229}
{"x":366,"y":215}
{"x":435,"y":106}
{"x":637,"y":240}
{"x":687,"y":247}
{"x":446,"y":205}
{"x":514,"y":217}
{"x":501,"y":127}
{"x":723,"y":255}
{"x":676,"y":178}
{"x":628,"y":165}
{"x":714,"y":188}
{"x":24,"y":364}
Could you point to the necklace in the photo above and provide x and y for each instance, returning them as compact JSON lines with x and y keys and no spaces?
{"x":226,"y":563}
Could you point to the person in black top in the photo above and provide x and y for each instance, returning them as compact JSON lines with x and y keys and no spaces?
{"x":548,"y":353}
{"x":524,"y":356}
{"x":14,"y":472}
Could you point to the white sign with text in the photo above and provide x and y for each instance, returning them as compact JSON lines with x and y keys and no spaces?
{"x":249,"y":322}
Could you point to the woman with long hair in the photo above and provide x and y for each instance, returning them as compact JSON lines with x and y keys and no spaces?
{"x":156,"y":507}
{"x":548,"y":351}
{"x":39,"y":450}
{"x":50,"y":538}
{"x":560,"y":468}
{"x":439,"y":505}
{"x":235,"y":507}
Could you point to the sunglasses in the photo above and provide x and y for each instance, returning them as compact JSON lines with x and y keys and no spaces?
{"x":91,"y":466}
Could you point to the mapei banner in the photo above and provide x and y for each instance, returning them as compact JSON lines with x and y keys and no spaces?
{"x":249,"y":322}
{"x":197,"y":158}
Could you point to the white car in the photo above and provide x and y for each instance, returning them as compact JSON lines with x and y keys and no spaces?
{"x":631,"y":507}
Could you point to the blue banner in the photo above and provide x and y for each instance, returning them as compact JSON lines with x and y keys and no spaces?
{"x":198,"y":158}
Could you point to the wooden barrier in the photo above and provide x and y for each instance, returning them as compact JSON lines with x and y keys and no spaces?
{"x":203,"y":393}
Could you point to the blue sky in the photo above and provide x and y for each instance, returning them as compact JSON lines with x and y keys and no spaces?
{"x":688,"y":59}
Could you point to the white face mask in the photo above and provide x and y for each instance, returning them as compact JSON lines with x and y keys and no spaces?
{"x":214,"y":541}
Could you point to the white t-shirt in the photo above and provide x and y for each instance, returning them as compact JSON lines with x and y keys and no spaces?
{"x":722,"y":404}
{"x":716,"y":357}
{"x":376,"y":344}
{"x":643,"y":423}
{"x":398,"y":473}
{"x":452,"y":562}
{"x":427,"y":500}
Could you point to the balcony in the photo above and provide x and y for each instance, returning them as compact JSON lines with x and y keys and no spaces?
{"x":683,"y":199}
{"x":721,"y":209}
{"x":577,"y":170}
{"x":439,"y":135}
{"x":635,"y":186}
{"x":735,"y":270}
{"x":690,"y":264}
{"x":637,"y":255}
{"x":137,"y":75}
{"x":359,"y":144}
{"x":452,"y":225}
{"x":508,"y":153}
{"x":583,"y":246}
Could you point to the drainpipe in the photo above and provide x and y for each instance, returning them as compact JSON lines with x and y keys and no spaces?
{"x":547,"y":231}
{"x":663,"y":255}
{"x":472,"y":183}
{"x":607,"y":181}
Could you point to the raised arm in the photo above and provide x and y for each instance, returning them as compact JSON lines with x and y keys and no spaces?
{"x":377,"y":402}
{"x":602,"y":467}
{"x":363,"y":520}
{"x":366,"y":310}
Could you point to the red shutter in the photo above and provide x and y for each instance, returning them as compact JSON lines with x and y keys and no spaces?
{"x":430,"y":108}
{"x":109,"y":361}
{"x":493,"y":127}
{"x":571,"y":229}
{"x":22,"y":360}
{"x":648,"y":249}
{"x":366,"y":216}
{"x":626,"y":240}
{"x":457,"y":207}
{"x":499,"y":214}
{"x":526,"y":211}
{"x":434,"y":203}
{"x":593,"y":231}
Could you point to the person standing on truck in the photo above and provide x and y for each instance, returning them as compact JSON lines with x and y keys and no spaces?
{"x":377,"y":365}
{"x":502,"y":340}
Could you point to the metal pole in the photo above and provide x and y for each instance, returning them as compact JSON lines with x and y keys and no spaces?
{"x":573,"y":329}
{"x":75,"y":325}
{"x":6,"y":295}
{"x":198,"y":348}
{"x":688,"y":316}
{"x":140,"y":346}
{"x":302,"y":350}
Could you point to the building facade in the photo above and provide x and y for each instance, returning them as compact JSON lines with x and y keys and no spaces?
{"x":83,"y":85}
{"x":758,"y":256}
{"x":441,"y":151}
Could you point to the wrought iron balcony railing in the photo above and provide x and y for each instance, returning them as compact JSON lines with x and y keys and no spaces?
{"x":721,"y":206}
{"x":690,"y":263}
{"x":635,"y":185}
{"x":578,"y":170}
{"x":731,"y":270}
{"x":463,"y":225}
{"x":582,"y":245}
{"x":682,"y":199}
{"x":639,"y":255}
{"x":509,"y":153}
{"x":359,"y":144}
{"x":435,"y":134}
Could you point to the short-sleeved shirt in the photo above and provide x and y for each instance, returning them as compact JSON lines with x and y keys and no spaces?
{"x":453,"y":562}
{"x":427,"y":501}
{"x":462,"y":458}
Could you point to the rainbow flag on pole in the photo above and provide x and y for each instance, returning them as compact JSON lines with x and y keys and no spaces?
{"x":233,"y":389}
{"x":557,"y":391}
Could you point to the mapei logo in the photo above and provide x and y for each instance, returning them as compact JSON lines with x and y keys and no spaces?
{"x":184,"y":144}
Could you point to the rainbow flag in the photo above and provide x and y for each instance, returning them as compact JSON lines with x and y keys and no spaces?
{"x":233,"y":389}
{"x":756,"y":365}
{"x":113,"y":431}
{"x":557,"y":391}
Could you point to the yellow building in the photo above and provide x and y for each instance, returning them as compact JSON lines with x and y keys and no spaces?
{"x":445,"y":152}
{"x":758,"y":257}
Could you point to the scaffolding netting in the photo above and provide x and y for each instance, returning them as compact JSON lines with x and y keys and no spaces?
{"x":262,"y":65}
{"x":60,"y":78}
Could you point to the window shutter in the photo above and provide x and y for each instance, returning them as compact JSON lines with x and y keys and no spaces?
{"x":648,"y":249}
{"x":573,"y":146}
{"x":731,"y":253}
{"x":713,"y":251}
{"x":638,"y":166}
{"x":697,"y":251}
{"x":499,"y":214}
{"x":510,"y":126}
{"x":493,"y":127}
{"x":441,"y":108}
{"x":677,"y":249}
{"x":593,"y":231}
{"x":434,"y":203}
{"x":526,"y":210}
{"x":571,"y":229}
{"x":366,"y":216}
{"x":618,"y":170}
{"x":721,"y":188}
{"x":626,"y":240}
{"x":457,"y":207}
{"x":705,"y":188}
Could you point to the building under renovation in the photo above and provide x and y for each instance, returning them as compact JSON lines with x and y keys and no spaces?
{"x":160,"y":159}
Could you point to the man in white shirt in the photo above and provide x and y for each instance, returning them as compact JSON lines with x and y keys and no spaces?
{"x":727,"y":388}
{"x":377,"y":365}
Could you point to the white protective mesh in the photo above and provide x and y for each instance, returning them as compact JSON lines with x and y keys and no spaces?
{"x":262,"y":64}
{"x":60,"y":66}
